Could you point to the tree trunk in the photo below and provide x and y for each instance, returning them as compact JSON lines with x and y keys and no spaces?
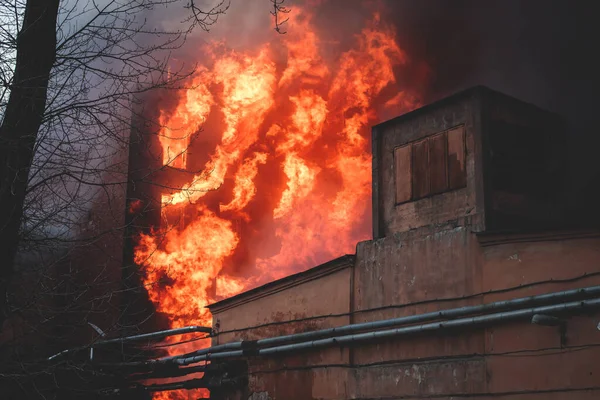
{"x":36,"y":53}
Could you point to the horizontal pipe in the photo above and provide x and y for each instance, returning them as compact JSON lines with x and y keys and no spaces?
{"x":170,"y":373}
{"x":411,"y":319}
{"x":143,"y":336}
{"x":158,"y":334}
{"x":422,"y":328}
{"x":194,"y":384}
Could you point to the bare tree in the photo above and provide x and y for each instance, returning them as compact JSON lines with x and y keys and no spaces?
{"x":70,"y":74}
{"x":36,"y":52}
{"x":77,"y":66}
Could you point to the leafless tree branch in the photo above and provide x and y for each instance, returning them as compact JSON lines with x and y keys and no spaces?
{"x":278,"y":10}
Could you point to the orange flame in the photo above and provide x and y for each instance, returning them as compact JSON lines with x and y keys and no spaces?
{"x":291,"y":171}
{"x":179,"y":275}
{"x":244,"y":189}
{"x":179,"y":127}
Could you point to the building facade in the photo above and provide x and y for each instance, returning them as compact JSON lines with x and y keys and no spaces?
{"x":468,"y":211}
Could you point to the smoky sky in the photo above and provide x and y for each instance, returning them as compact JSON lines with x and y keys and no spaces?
{"x":540,"y":51}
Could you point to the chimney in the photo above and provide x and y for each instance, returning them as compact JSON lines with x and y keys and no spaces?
{"x":479,"y":157}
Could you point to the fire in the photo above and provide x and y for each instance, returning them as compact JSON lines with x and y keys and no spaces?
{"x":180,"y":272}
{"x":291,"y":169}
{"x":180,"y":126}
{"x":244,"y":189}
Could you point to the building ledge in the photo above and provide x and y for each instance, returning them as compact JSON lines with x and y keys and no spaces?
{"x":493,"y":238}
{"x":283,"y":283}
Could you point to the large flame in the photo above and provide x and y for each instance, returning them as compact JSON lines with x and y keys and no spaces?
{"x":291,"y":167}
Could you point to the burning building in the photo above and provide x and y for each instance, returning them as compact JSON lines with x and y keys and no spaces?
{"x":267,"y":150}
{"x":466,"y":249}
{"x":476,"y":284}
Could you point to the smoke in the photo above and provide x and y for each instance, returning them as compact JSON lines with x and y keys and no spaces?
{"x":538,"y":51}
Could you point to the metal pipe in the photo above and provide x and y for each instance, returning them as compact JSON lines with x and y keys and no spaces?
{"x":169,"y":373}
{"x":215,"y":383}
{"x":434,"y":326}
{"x":143,"y":336}
{"x":546,"y":320}
{"x":411,"y":319}
{"x":158,"y":334}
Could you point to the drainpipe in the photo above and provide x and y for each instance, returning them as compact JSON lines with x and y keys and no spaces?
{"x":412,"y":319}
{"x":409,"y":330}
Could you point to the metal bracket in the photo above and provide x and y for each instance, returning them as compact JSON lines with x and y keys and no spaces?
{"x":549,"y":320}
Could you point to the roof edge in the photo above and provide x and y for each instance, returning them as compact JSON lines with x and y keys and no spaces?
{"x":494,"y":238}
{"x":270,"y":288}
{"x":479,"y":89}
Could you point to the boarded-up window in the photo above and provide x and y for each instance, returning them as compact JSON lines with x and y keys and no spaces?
{"x":430,"y":166}
{"x":437,"y":164}
{"x":402,"y":160}
{"x":457,"y":177}
{"x":420,"y":168}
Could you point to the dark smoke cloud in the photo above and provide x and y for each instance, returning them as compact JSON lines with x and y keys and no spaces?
{"x":540,"y":51}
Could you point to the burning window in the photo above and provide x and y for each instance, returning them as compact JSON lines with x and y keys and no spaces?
{"x":430,"y":166}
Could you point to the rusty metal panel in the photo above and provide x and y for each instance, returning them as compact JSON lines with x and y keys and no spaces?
{"x":437,"y":164}
{"x":420,"y":167}
{"x":457,"y":177}
{"x":403,"y":173}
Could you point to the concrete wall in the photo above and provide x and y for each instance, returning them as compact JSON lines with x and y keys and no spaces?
{"x":315,"y":299}
{"x":428,"y":269}
{"x":514,"y":162}
{"x":429,"y":254}
{"x":422,"y":271}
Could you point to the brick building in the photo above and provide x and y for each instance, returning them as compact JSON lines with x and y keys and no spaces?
{"x":469,"y":210}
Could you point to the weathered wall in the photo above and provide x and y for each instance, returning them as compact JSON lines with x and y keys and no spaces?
{"x":319,"y":298}
{"x":514,"y":165}
{"x":315,"y":299}
{"x":428,"y":269}
{"x":524,"y":165}
{"x":415,"y":266}
{"x":389,"y":217}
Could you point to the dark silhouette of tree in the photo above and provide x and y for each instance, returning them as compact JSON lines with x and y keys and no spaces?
{"x":71,"y":76}
{"x":77,"y":67}
{"x":24,"y":112}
